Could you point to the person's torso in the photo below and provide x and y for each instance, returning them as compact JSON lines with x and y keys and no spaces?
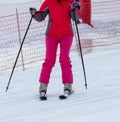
{"x":60,"y":21}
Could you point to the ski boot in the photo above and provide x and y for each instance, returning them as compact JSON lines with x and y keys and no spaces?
{"x":43,"y":91}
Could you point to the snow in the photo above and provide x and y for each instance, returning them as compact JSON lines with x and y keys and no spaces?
{"x":14,"y":1}
{"x":99,"y":103}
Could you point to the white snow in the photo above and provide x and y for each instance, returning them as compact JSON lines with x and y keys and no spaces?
{"x":14,"y":1}
{"x":100,"y":103}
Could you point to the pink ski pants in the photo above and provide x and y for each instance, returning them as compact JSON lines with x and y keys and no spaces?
{"x":64,"y":59}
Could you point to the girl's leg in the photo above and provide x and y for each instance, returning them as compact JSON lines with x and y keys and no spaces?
{"x":50,"y":58}
{"x":66,"y":67}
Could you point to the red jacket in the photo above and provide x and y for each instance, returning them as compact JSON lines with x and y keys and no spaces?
{"x":59,"y":24}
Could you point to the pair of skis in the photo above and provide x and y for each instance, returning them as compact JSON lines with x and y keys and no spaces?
{"x":61,"y":97}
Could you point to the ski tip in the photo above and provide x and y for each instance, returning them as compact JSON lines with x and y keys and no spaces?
{"x":62,"y":97}
{"x":43,"y":98}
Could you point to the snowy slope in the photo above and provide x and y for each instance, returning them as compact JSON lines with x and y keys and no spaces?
{"x":14,"y":1}
{"x":100,"y":103}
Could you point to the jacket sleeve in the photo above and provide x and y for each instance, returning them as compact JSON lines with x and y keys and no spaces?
{"x":42,"y":13}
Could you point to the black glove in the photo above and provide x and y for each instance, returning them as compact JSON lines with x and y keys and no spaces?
{"x":33,"y":11}
{"x":75,"y":4}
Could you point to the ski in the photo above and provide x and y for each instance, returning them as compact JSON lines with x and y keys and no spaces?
{"x":43,"y":96}
{"x":65,"y":95}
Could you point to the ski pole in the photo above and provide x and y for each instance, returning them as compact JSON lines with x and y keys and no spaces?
{"x":80,"y":49}
{"x":18,"y":54}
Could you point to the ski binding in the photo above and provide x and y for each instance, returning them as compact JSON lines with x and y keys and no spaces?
{"x":66,"y":94}
{"x":43,"y":95}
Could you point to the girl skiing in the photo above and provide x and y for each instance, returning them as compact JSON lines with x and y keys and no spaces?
{"x":59,"y":31}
